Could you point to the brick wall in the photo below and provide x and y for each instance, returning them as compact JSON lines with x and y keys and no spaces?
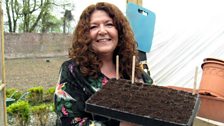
{"x":26,"y":45}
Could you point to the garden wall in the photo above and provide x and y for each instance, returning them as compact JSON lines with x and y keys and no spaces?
{"x":27,"y":45}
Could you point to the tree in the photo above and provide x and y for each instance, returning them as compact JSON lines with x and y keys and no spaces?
{"x":67,"y":17}
{"x":32,"y":16}
{"x":12,"y":10}
{"x":42,"y":7}
{"x":67,"y":14}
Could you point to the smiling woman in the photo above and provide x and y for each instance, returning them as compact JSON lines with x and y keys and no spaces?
{"x":102,"y":33}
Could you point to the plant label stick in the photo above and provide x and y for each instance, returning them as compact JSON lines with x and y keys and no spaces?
{"x":195,"y":80}
{"x":117,"y":67}
{"x":133,"y":70}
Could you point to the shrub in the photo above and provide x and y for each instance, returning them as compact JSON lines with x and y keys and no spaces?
{"x":41,"y":112}
{"x":20,"y":111}
{"x":13,"y":93}
{"x":10,"y":91}
{"x":33,"y":106}
{"x":48,"y":95}
{"x":35,"y":95}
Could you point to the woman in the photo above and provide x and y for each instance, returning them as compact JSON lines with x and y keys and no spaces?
{"x":101,"y":33}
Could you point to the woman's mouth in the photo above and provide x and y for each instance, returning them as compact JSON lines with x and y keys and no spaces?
{"x":103,"y":40}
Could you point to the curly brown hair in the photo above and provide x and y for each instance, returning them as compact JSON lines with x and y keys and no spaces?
{"x":85,"y":56}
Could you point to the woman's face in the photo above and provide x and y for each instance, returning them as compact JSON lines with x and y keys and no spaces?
{"x":103,"y":33}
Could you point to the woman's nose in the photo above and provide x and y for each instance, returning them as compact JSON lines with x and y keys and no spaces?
{"x":102,"y":30}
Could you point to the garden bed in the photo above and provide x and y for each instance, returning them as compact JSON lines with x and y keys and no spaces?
{"x":144,"y":104}
{"x":25,"y":73}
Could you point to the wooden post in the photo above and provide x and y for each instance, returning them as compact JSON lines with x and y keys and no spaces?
{"x":139,"y":2}
{"x":3,"y":112}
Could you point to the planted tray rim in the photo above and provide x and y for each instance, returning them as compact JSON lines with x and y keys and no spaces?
{"x":134,"y":118}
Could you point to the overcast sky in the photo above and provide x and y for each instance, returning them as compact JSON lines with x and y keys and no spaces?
{"x":178,"y":14}
{"x":171,"y":15}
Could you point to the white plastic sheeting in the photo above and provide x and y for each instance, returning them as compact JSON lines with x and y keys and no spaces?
{"x":186,"y":32}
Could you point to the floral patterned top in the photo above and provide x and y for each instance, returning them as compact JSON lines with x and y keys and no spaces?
{"x":71,"y":93}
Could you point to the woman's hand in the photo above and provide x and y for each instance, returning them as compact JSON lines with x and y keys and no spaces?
{"x":123,"y":123}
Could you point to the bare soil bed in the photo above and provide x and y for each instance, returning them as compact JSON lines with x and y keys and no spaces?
{"x":23,"y":74}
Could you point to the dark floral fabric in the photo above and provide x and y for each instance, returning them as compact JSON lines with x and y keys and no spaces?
{"x":72,"y":90}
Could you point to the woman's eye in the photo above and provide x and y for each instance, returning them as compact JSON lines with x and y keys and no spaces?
{"x":92,"y":27}
{"x":110,"y":24}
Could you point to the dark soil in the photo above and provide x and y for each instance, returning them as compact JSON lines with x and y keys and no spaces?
{"x":154,"y":102}
{"x":25,"y":73}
